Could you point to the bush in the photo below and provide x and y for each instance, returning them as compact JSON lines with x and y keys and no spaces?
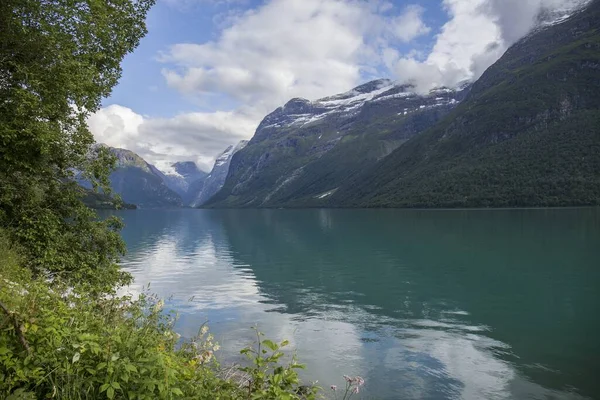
{"x":57,"y":342}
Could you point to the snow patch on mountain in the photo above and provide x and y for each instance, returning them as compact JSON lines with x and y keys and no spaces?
{"x":216,"y":179}
{"x":299,"y":112}
{"x":560,"y":14}
{"x":326,"y":194}
{"x":167,"y":168}
{"x":181,"y":177}
{"x":352,"y":97}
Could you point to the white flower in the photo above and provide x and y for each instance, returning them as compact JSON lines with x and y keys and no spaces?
{"x":159,"y":305}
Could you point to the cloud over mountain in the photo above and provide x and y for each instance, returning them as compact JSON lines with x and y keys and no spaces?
{"x":261,"y":57}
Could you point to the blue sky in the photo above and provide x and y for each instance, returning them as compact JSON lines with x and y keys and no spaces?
{"x":144,"y":89}
{"x":142,"y":86}
{"x":208,"y":71}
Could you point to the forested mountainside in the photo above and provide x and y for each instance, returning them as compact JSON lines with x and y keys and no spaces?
{"x":180,"y":184}
{"x":140,"y":183}
{"x":527,"y":133}
{"x":304,"y":149}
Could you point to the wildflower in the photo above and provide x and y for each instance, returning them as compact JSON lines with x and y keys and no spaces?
{"x":347,"y":378}
{"x":216,"y":347}
{"x":355,"y":390}
{"x":333,"y":387}
{"x":159,"y":305}
{"x":359,"y":381}
{"x":203,"y":330}
{"x":204,"y":357}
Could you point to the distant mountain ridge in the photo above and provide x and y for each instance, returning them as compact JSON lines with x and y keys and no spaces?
{"x":215,"y":180}
{"x":527,"y":133}
{"x":301,"y":152}
{"x":178,"y":184}
{"x":139,"y":183}
{"x":184,"y":178}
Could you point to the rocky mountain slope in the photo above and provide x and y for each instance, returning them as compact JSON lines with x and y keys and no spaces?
{"x":139,"y":183}
{"x":201,"y":193}
{"x":184,"y":178}
{"x":528,"y":134}
{"x":304,"y":150}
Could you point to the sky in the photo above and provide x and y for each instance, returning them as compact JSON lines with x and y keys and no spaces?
{"x":209,"y":71}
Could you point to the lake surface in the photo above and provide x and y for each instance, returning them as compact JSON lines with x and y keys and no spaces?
{"x":444,"y":304}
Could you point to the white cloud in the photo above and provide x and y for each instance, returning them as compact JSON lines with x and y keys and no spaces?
{"x":292,"y":48}
{"x":192,"y":136}
{"x":409,"y":25}
{"x":261,"y":59}
{"x":311,"y":48}
{"x":186,"y":5}
{"x":116,"y":126}
{"x":515,"y":18}
{"x":476,"y":35}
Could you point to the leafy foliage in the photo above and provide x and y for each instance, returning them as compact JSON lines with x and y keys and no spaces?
{"x":267,"y":379}
{"x":80,"y":347}
{"x":58,"y":58}
{"x":64,"y":333}
{"x":99,"y":201}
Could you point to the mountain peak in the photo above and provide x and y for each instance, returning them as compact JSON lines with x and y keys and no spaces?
{"x":297,"y":105}
{"x":557,"y":15}
{"x":372,"y":85}
{"x":225,"y":156}
{"x":127,"y":158}
{"x":215,"y":180}
{"x":185,"y":168}
{"x":363,"y":92}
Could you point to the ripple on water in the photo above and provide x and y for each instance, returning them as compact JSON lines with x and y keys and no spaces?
{"x":423,"y":321}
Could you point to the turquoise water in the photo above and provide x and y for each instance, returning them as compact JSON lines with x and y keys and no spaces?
{"x":444,"y":304}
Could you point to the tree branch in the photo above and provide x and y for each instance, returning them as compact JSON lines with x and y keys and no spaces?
{"x":18,"y":328}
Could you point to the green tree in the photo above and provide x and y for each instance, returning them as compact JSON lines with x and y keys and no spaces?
{"x":58,"y":59}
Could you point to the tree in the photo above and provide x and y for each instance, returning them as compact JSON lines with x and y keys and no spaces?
{"x":58,"y":59}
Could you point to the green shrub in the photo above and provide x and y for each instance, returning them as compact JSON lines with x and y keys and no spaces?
{"x":58,"y":342}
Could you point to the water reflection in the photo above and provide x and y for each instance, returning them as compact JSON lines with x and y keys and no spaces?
{"x":424,"y":304}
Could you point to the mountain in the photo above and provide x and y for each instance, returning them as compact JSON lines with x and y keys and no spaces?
{"x":200,"y":193}
{"x":140,"y":183}
{"x":185,"y":179}
{"x":528,"y":133}
{"x":303,"y":151}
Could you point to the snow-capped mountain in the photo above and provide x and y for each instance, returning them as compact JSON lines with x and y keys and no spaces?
{"x":523,"y":134}
{"x":305,"y":149}
{"x":137,"y":181}
{"x":556,"y":15}
{"x":299,"y":112}
{"x":181,"y":176}
{"x":215,"y":180}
